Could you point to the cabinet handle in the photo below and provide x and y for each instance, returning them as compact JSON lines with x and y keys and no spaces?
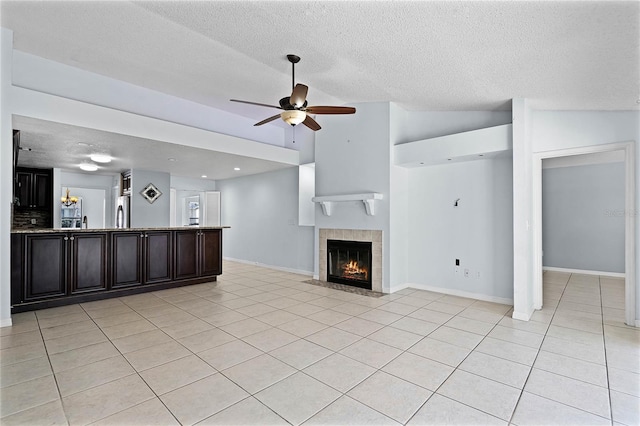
{"x":141,"y":235}
{"x":72,"y":238}
{"x":66,"y":238}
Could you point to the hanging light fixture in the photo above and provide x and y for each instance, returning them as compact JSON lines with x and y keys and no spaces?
{"x":293,"y":116}
{"x":69,"y":200}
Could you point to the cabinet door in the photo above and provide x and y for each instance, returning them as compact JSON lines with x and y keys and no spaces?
{"x":41,"y":196}
{"x":45,"y":265}
{"x":127,"y":255}
{"x":159,"y":256}
{"x":88,"y":262}
{"x":186,"y":254}
{"x":23,"y":189}
{"x":210,"y":253}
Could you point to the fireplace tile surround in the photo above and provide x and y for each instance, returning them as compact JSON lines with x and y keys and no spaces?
{"x":374,"y":236}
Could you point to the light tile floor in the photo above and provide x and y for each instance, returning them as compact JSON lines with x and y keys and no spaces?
{"x":260,"y":346}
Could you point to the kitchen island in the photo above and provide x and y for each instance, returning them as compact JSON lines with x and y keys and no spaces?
{"x":56,"y":267}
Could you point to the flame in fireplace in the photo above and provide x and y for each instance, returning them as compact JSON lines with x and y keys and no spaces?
{"x":353,"y":270}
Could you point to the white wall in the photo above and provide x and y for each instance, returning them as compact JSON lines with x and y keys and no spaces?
{"x":479,"y":231}
{"x":6,"y":178}
{"x":262,"y":211}
{"x":399,"y":205}
{"x":352,"y":157}
{"x":179,"y":182}
{"x":306,"y":191}
{"x":583,"y":217}
{"x":143,"y":213}
{"x":409,"y":219}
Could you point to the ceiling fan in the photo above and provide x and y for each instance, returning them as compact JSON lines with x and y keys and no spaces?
{"x":295,"y":109}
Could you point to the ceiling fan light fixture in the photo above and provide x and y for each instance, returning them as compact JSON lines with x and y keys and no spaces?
{"x":293,"y":116}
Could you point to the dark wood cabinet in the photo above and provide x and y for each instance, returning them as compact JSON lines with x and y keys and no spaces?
{"x":158,"y":263}
{"x":210,"y":253}
{"x":23,"y":189}
{"x":186,"y":248}
{"x":34,"y":188}
{"x":60,"y":264}
{"x":141,"y":258}
{"x":198,"y":253}
{"x":88,"y":261}
{"x":126,"y":255}
{"x":57,"y":268}
{"x":45,"y":266}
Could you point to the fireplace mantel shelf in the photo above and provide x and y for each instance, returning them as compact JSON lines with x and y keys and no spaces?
{"x":326,"y":202}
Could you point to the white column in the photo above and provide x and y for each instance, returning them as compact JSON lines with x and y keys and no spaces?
{"x":523,"y":256}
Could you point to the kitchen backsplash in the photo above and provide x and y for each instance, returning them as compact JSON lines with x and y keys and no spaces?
{"x":22,"y":219}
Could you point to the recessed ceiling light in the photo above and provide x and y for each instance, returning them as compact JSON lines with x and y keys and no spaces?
{"x":100,"y":158}
{"x":171,"y":159}
{"x":448,"y":159}
{"x":88,"y":167}
{"x":203,"y":176}
{"x":236,"y":168}
{"x":421,"y":163}
{"x":480,"y":155}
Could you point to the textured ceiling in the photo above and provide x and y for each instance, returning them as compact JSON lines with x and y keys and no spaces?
{"x":422,"y":55}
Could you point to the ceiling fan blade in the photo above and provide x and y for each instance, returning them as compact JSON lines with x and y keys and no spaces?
{"x":255,"y":103}
{"x":267,"y":120}
{"x":299,"y":95}
{"x":311,"y":123}
{"x":330,"y":110}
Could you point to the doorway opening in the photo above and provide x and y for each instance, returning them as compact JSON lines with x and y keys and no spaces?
{"x":627,"y":150}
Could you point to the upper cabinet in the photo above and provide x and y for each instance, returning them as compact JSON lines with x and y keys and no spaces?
{"x":33,"y":188}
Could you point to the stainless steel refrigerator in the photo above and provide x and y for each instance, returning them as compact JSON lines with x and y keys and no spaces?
{"x":123,"y":212}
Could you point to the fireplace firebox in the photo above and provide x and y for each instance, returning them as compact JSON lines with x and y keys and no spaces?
{"x":349,"y":262}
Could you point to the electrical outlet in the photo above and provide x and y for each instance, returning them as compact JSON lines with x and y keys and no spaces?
{"x":466,"y":273}
{"x":34,"y":221}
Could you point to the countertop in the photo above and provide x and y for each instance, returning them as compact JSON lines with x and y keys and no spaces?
{"x":167,"y":228}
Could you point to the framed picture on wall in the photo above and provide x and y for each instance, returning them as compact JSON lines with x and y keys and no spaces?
{"x":151,"y":193}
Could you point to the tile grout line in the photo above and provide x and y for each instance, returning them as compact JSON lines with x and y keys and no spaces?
{"x":606,"y":363}
{"x":132,"y":367}
{"x":538,"y":352}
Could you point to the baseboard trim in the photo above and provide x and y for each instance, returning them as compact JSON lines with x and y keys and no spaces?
{"x":522,"y":316}
{"x":584,"y":271}
{"x":454,"y":292}
{"x":6,"y":322}
{"x":263,"y":265}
